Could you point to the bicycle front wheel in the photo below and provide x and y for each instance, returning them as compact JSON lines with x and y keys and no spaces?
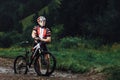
{"x":20,"y":66}
{"x":45,"y":67}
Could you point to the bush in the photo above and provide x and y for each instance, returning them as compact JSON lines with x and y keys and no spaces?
{"x":69,"y":42}
{"x":5,"y":41}
{"x":74,"y":42}
{"x":113,"y":72}
{"x":57,"y":30}
{"x":9,"y":39}
{"x":27,"y":33}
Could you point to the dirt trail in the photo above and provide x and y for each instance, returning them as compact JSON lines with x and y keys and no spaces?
{"x":6,"y":73}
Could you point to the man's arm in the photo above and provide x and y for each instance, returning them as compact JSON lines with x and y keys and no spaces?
{"x":48,"y":39}
{"x":33,"y":34}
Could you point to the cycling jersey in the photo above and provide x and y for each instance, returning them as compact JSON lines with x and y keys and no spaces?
{"x":42,"y":32}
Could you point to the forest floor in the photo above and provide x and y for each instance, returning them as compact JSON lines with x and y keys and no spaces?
{"x":7,"y":73}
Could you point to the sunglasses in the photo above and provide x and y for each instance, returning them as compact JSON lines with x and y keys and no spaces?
{"x":41,"y":20}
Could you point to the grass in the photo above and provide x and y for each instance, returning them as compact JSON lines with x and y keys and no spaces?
{"x":83,"y":60}
{"x":75,"y":60}
{"x":11,"y":52}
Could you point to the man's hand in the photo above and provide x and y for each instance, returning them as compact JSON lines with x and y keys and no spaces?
{"x":37,"y":38}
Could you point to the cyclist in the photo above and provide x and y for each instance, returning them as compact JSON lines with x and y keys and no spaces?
{"x":42,"y":33}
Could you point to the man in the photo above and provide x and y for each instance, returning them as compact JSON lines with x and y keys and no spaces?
{"x":42,"y":33}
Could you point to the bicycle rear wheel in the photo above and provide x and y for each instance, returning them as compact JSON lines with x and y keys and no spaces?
{"x":45,"y":67}
{"x":20,"y":66}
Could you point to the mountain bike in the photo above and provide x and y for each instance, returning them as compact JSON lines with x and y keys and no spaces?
{"x":42,"y":66}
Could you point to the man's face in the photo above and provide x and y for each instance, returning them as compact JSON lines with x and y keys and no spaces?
{"x":42,"y":23}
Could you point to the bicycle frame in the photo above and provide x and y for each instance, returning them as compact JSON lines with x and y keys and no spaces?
{"x":36,"y":48}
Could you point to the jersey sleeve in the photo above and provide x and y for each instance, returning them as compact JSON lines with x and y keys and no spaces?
{"x":35,"y":28}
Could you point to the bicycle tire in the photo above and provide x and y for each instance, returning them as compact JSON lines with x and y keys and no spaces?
{"x":52,"y":65}
{"x":22,"y":64}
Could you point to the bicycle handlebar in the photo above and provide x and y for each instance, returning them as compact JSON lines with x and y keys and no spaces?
{"x":24,"y":42}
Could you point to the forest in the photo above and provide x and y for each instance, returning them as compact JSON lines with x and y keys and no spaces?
{"x":91,"y":19}
{"x":85,"y":33}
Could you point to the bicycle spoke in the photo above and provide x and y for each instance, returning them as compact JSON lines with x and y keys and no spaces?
{"x":46,"y":65}
{"x":20,"y":66}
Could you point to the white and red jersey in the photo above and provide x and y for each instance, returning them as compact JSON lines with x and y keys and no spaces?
{"x":42,"y":32}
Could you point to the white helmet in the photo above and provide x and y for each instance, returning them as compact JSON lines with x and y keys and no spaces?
{"x":41,"y":18}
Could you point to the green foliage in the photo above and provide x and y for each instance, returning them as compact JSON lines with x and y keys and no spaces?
{"x":9,"y":39}
{"x":115,"y":47}
{"x":27,"y":34}
{"x":84,"y":60}
{"x":57,"y":31}
{"x":113,"y":72}
{"x":69,"y":42}
{"x":81,"y":17}
{"x":5,"y":40}
{"x":74,"y":42}
{"x":52,"y":6}
{"x":27,"y":21}
{"x":11,"y":52}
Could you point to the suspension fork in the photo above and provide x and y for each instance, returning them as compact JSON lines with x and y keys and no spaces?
{"x":33,"y":56}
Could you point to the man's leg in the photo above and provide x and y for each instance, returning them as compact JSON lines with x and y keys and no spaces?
{"x":47,"y":58}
